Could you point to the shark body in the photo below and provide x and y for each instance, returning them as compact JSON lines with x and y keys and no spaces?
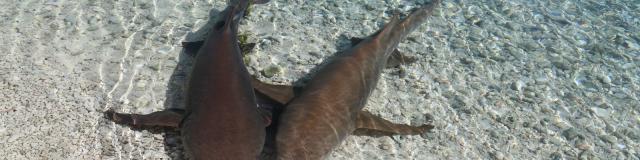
{"x":222,"y":119}
{"x":323,"y":113}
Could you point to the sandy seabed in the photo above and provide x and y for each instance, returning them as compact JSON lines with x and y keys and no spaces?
{"x":501,"y":79}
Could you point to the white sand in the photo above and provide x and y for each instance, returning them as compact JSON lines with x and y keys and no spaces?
{"x":502,"y":79}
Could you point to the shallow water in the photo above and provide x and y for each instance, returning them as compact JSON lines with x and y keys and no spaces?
{"x":501,"y":79}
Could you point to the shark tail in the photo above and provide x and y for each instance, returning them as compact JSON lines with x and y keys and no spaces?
{"x":417,"y":18}
{"x":236,"y":10}
{"x":398,"y":29}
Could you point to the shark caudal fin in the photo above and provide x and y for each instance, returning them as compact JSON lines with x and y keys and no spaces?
{"x":235,"y":11}
{"x":397,"y":29}
{"x":232,"y":15}
{"x":414,"y":20}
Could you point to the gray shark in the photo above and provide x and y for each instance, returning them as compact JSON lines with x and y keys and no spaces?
{"x":318,"y":117}
{"x":222,"y":119}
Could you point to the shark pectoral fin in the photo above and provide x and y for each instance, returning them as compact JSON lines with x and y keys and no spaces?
{"x":191,"y":48}
{"x":368,"y":124}
{"x":166,"y":118}
{"x":397,"y":58}
{"x":280,"y":93}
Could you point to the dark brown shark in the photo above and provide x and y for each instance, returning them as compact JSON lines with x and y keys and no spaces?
{"x":329,"y":108}
{"x":221,"y":119}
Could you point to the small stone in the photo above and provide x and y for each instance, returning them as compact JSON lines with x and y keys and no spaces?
{"x":560,"y":64}
{"x":530,"y":95}
{"x":271,"y":71}
{"x":583,"y":146}
{"x":114,"y":20}
{"x":154,"y":67}
{"x":556,"y":140}
{"x":127,"y":148}
{"x":145,"y":6}
{"x":560,"y":123}
{"x":556,"y":156}
{"x":385,"y":146}
{"x":474,"y":20}
{"x":164,"y":49}
{"x":529,"y":45}
{"x":458,"y":43}
{"x":517,"y":85}
{"x":512,"y":26}
{"x":526,"y":124}
{"x":629,"y":132}
{"x":600,"y":112}
{"x":498,"y":155}
{"x":608,"y":138}
{"x":605,"y":79}
{"x":494,"y":134}
{"x":13,"y":137}
{"x":570,"y":133}
{"x":141,"y":83}
{"x":587,"y":155}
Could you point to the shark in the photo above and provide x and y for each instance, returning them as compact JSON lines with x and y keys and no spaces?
{"x":320,"y":115}
{"x":222,"y":118}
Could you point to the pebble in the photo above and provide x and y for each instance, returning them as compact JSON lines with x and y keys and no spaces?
{"x":583,"y":145}
{"x":127,"y":148}
{"x":385,"y":146}
{"x":513,"y":26}
{"x":53,"y":2}
{"x":556,"y":156}
{"x":114,"y":20}
{"x":600,"y":112}
{"x":529,"y":45}
{"x":70,"y":20}
{"x":13,"y":137}
{"x":604,"y":79}
{"x":145,"y":6}
{"x":498,"y":155}
{"x":530,"y":95}
{"x":561,"y":64}
{"x":526,"y":124}
{"x":141,"y":83}
{"x":587,"y":155}
{"x":609,"y":139}
{"x":164,"y":49}
{"x":559,"y":122}
{"x":271,"y":71}
{"x":556,"y":140}
{"x":517,"y":85}
{"x":93,"y":24}
{"x":570,"y":134}
{"x":458,"y":43}
{"x":630,"y":132}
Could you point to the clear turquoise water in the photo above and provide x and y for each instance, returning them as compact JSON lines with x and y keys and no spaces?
{"x":501,"y":79}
